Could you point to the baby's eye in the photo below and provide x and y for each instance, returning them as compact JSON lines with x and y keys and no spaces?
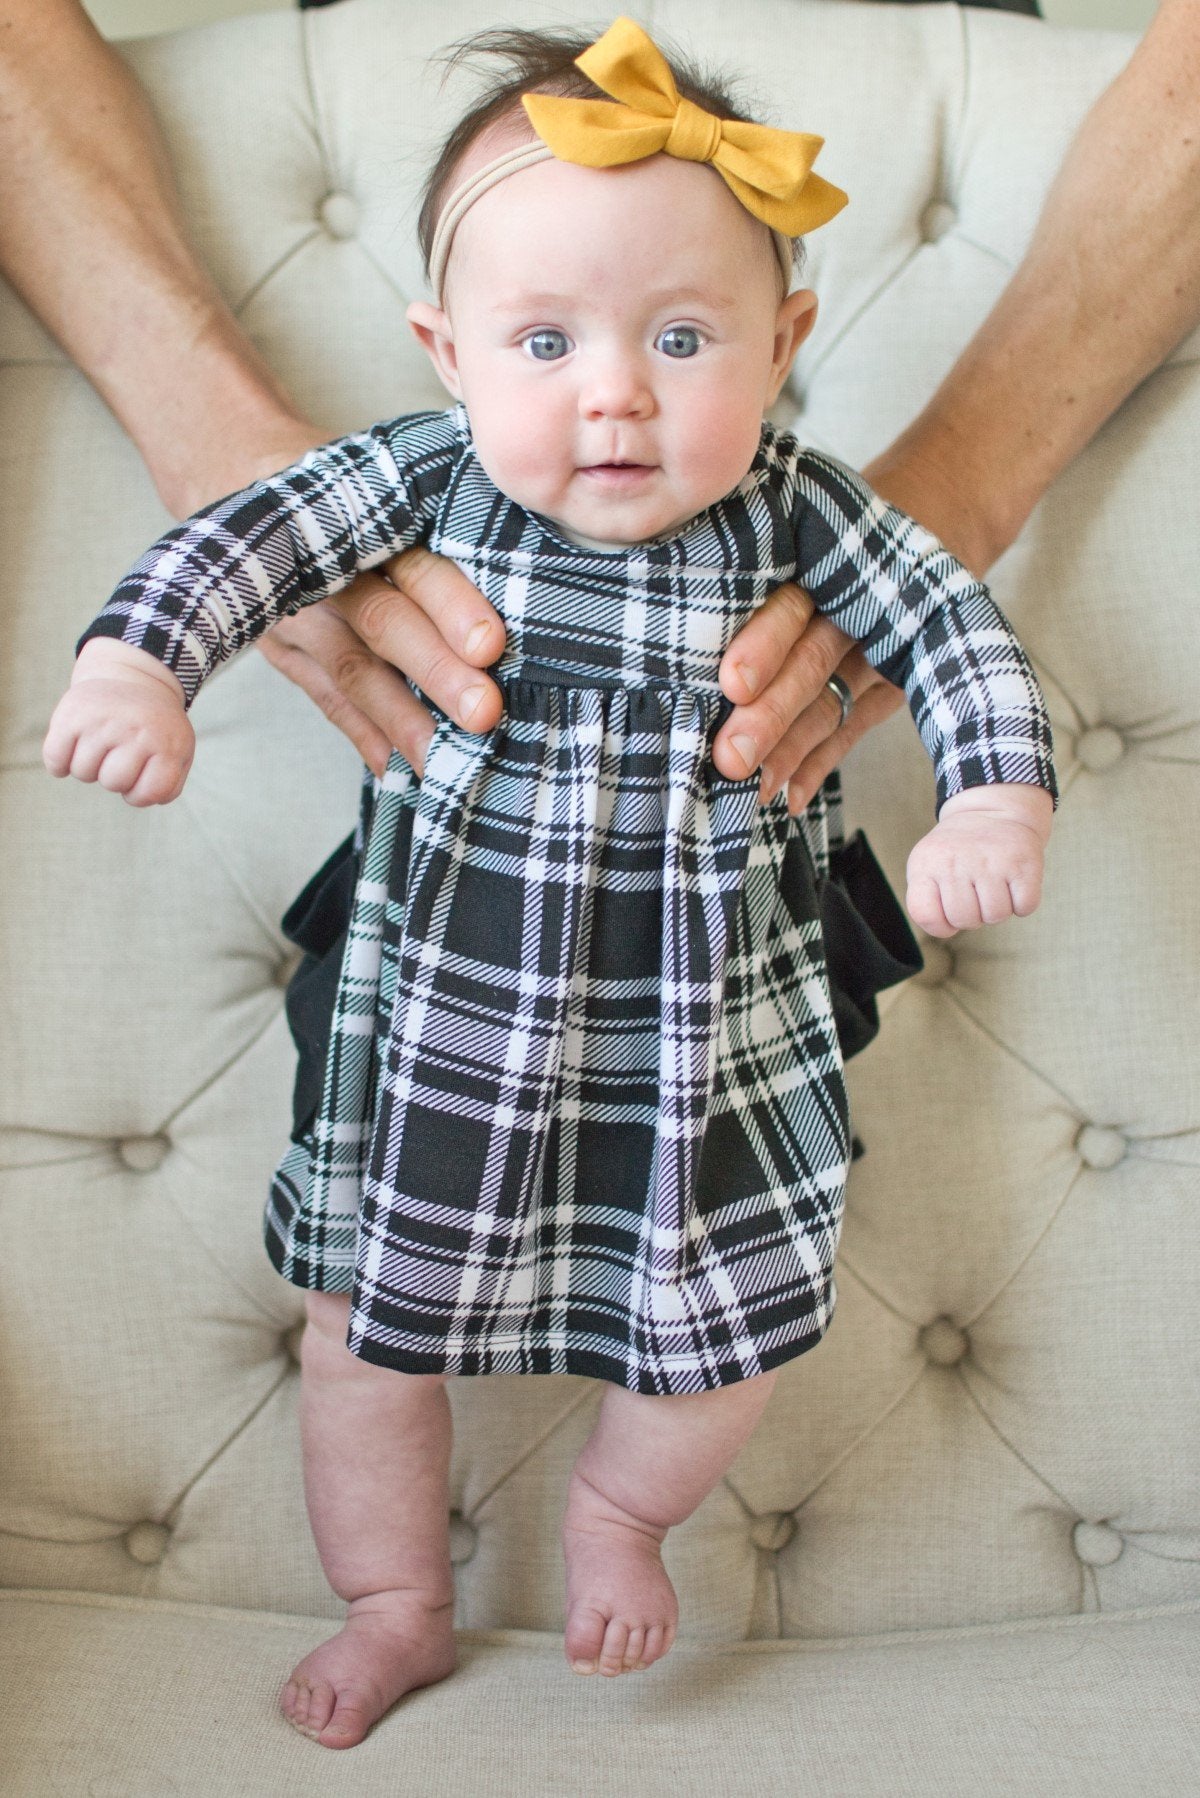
{"x":679,"y":340}
{"x":547,"y":346}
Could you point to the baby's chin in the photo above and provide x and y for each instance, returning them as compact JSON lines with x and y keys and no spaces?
{"x":618,"y":505}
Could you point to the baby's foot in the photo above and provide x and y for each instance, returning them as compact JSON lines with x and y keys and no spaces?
{"x":621,"y":1607}
{"x":391,"y":1643}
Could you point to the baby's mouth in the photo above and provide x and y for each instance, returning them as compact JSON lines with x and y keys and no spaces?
{"x":618,"y":475}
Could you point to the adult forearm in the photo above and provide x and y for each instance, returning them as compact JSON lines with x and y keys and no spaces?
{"x":92,"y":237}
{"x":1110,"y":284}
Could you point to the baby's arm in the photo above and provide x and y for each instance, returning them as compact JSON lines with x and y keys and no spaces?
{"x":122,"y":722}
{"x":927,"y":624}
{"x":215,"y":583}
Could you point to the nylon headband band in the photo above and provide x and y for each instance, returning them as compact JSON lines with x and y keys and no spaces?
{"x":510,"y":162}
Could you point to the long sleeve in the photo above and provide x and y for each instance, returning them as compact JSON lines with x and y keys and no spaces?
{"x":926,"y":624}
{"x":213,"y":584}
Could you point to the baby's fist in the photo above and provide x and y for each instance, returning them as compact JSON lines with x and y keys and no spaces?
{"x":983,"y":860}
{"x":128,"y":731}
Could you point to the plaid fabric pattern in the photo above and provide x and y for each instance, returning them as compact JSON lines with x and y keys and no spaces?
{"x":584,"y":1105}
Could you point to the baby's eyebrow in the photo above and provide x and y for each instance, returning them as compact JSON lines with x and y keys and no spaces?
{"x":681,"y":297}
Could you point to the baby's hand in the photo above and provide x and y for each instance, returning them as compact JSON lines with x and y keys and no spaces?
{"x":982,"y":861}
{"x":122,"y":722}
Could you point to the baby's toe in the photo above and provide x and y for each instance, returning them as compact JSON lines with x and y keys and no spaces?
{"x":612,"y":1652}
{"x":634,"y":1647}
{"x":658,"y":1639}
{"x":351,"y":1718}
{"x":584,"y":1637}
{"x":296,"y":1704}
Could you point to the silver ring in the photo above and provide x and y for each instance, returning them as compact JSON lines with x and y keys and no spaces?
{"x":842,"y":694}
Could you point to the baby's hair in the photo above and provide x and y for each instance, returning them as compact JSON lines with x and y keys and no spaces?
{"x":515,"y":61}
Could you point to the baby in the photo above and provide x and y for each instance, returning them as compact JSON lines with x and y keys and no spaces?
{"x":581,"y":1096}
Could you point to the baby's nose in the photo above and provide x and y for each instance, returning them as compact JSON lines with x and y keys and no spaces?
{"x":616,"y":389}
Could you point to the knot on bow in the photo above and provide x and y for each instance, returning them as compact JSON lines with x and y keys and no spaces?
{"x":769,"y":171}
{"x":694,"y":135}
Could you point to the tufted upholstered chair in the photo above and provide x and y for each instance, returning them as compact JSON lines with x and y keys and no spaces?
{"x":962,"y":1553}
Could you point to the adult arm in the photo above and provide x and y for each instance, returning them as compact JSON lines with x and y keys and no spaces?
{"x":92,"y":237}
{"x":1108,"y":287}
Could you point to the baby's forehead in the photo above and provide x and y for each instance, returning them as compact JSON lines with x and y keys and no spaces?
{"x":511,"y":131}
{"x":565,"y":226}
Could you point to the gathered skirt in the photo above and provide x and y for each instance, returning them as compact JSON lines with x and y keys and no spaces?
{"x":571,"y":1019}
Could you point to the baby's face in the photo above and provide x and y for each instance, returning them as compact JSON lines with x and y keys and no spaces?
{"x":616,"y":336}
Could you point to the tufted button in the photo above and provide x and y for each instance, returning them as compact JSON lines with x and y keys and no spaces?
{"x":943,"y":1342}
{"x":1098,"y":1146}
{"x":938,"y":218}
{"x":339,"y":215}
{"x":292,"y":1339}
{"x":1100,"y":748}
{"x":773,"y":1530}
{"x":1098,"y":1544}
{"x":143,"y":1153}
{"x":147,"y":1542}
{"x":464,"y":1538}
{"x":939,"y":962}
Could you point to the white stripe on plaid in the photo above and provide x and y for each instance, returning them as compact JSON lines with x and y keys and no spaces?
{"x":584,"y":1107}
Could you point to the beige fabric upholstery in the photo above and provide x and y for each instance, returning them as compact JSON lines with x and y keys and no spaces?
{"x":1002,"y":1424}
{"x":186,"y":1708}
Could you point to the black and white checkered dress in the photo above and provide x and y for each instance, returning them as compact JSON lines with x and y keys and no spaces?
{"x":582,"y":1108}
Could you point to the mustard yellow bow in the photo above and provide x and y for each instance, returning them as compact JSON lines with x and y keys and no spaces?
{"x":769,"y":171}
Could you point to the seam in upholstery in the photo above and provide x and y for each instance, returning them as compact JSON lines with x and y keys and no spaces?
{"x":388,"y":280}
{"x":850,"y":1448}
{"x":1132,"y":1538}
{"x":171,"y":1513}
{"x":838,"y":337}
{"x":1052,"y":675}
{"x":181,"y":1212}
{"x":308,"y":26}
{"x":1079,"y":1111}
{"x":981,"y":249}
{"x":272,"y":932}
{"x":281,"y":262}
{"x":953,"y":140}
{"x":1030,"y":1252}
{"x":531,"y":1449}
{"x":32,"y":1167}
{"x":550,"y":1641}
{"x":990,"y":1423}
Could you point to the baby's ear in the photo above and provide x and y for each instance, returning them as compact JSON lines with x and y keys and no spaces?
{"x":795,"y":319}
{"x":433,"y":331}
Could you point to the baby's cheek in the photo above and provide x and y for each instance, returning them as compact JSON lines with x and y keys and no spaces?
{"x":718,"y":445}
{"x":523,"y":453}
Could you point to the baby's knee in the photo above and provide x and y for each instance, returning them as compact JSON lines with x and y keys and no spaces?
{"x":328,"y":1314}
{"x":324,"y":1347}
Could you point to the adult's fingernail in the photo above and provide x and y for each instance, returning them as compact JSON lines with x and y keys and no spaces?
{"x":747,"y":748}
{"x":749,"y":676}
{"x":469,"y":701}
{"x":476,"y":637}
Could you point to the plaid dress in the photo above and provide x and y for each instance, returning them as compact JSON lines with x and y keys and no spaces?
{"x":583,"y":1108}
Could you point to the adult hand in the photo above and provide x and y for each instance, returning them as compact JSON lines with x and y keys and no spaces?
{"x":350,"y":655}
{"x":785,"y":720}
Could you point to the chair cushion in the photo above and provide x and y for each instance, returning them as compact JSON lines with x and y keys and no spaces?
{"x":187,"y":1706}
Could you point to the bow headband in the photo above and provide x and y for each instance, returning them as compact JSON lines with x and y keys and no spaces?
{"x":767,"y":170}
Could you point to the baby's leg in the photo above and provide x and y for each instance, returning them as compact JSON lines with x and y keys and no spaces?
{"x":376,"y":1470}
{"x":646,"y":1465}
